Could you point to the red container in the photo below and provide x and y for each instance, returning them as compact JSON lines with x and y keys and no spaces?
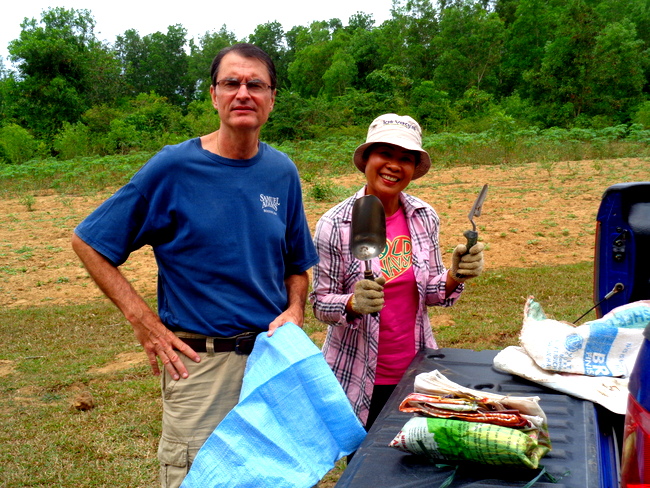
{"x":635,"y":463}
{"x":635,"y":459}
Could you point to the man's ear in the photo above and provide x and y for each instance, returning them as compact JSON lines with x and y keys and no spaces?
{"x":273,"y":99}
{"x":213,"y":97}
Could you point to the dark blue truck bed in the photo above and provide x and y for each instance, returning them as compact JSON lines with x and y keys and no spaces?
{"x":584,"y":455}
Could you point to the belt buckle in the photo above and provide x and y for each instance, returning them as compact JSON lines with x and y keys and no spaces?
{"x":244,"y":344}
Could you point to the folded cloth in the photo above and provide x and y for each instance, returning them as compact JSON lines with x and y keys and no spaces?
{"x":292,"y":423}
{"x":454,"y":431}
{"x":435,"y":383}
{"x":471,"y":410}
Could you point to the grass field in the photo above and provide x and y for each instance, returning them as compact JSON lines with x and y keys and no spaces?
{"x":52,"y":353}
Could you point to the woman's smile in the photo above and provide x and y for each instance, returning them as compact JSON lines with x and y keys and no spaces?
{"x":388,"y":172}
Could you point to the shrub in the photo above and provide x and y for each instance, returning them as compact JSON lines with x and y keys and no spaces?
{"x":123,"y":137}
{"x":17,"y":145}
{"x":201,"y":118}
{"x":74,"y":140}
{"x":642,"y":115}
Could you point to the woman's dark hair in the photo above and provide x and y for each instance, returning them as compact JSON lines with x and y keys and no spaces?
{"x":245,"y":50}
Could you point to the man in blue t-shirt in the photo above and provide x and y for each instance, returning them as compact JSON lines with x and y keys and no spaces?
{"x":224,"y":216}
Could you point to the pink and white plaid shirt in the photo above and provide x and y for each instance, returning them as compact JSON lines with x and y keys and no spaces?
{"x":350,"y":348}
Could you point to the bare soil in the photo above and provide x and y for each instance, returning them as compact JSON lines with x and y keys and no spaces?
{"x":534,"y":215}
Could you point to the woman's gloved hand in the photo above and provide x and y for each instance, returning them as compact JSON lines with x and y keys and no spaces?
{"x":466,"y":265}
{"x":368,"y":296}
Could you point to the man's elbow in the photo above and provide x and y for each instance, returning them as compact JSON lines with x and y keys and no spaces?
{"x":77,"y":243}
{"x":83,"y":250}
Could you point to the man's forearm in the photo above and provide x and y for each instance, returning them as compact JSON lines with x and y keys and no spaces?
{"x":111,"y":281}
{"x":158,"y":341}
{"x":297,"y":288}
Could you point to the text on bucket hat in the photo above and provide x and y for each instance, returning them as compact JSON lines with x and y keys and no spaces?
{"x":399,"y":130}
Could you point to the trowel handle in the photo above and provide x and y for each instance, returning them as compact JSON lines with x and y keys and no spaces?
{"x":472,"y":238}
{"x":369,"y":275}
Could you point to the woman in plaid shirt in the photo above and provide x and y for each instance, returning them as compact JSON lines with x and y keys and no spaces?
{"x":369,"y":353}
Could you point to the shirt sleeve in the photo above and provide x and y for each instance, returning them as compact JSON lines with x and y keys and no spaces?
{"x":301,"y":252}
{"x":115,"y":228}
{"x":329,"y":290}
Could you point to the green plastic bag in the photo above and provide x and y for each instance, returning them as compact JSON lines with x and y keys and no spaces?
{"x":457,"y":440}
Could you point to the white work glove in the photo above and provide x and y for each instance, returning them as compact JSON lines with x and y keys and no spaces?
{"x":368,"y":296}
{"x":466,"y":265}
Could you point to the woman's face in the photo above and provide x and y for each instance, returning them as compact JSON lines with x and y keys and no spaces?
{"x":389,"y":171}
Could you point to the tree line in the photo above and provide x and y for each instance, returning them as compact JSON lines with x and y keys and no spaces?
{"x":455,"y":65}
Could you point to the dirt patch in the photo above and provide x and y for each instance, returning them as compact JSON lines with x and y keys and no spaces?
{"x":123,"y":361}
{"x":6,"y":367}
{"x":534,"y":215}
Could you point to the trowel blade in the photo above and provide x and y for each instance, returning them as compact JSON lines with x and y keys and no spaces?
{"x":368,"y":228}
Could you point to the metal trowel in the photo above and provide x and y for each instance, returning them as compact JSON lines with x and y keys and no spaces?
{"x":472,"y":235}
{"x":368,"y":231}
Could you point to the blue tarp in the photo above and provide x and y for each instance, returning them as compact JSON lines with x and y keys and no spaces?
{"x":292,"y":423}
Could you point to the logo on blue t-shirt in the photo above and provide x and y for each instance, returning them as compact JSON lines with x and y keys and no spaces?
{"x":269,"y":203}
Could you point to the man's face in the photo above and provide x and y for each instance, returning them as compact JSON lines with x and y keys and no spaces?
{"x":242,"y":110}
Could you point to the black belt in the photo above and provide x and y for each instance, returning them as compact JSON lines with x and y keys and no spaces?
{"x":241,"y":345}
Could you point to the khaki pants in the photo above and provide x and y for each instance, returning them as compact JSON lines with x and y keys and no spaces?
{"x":193,"y":407}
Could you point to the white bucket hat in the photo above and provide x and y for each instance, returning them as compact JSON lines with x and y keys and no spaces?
{"x":399,"y":130}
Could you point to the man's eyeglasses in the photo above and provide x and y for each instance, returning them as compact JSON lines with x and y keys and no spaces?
{"x":254,"y":87}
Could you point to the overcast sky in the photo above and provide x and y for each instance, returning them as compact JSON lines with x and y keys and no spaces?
{"x":113,"y":17}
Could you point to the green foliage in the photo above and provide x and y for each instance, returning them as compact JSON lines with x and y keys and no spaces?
{"x":156,"y":62}
{"x":59,"y":60}
{"x":471,"y":45}
{"x":201,"y":57}
{"x":201,"y":118}
{"x":532,"y":27}
{"x":74,"y":140}
{"x":77,"y":175}
{"x":151,"y":113}
{"x":322,"y":191}
{"x":415,"y":23}
{"x":642,"y":115}
{"x":474,"y":102}
{"x":295,"y":117}
{"x":331,"y":154}
{"x":432,"y":107}
{"x":340,"y":75}
{"x":122,"y":138}
{"x":460,"y":66}
{"x":307,"y":69}
{"x":618,"y":75}
{"x":17,"y":145}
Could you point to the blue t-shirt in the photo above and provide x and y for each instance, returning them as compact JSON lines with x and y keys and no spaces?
{"x":225,"y":234}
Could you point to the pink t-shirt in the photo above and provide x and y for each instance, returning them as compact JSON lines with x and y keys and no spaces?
{"x":397,"y":318}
